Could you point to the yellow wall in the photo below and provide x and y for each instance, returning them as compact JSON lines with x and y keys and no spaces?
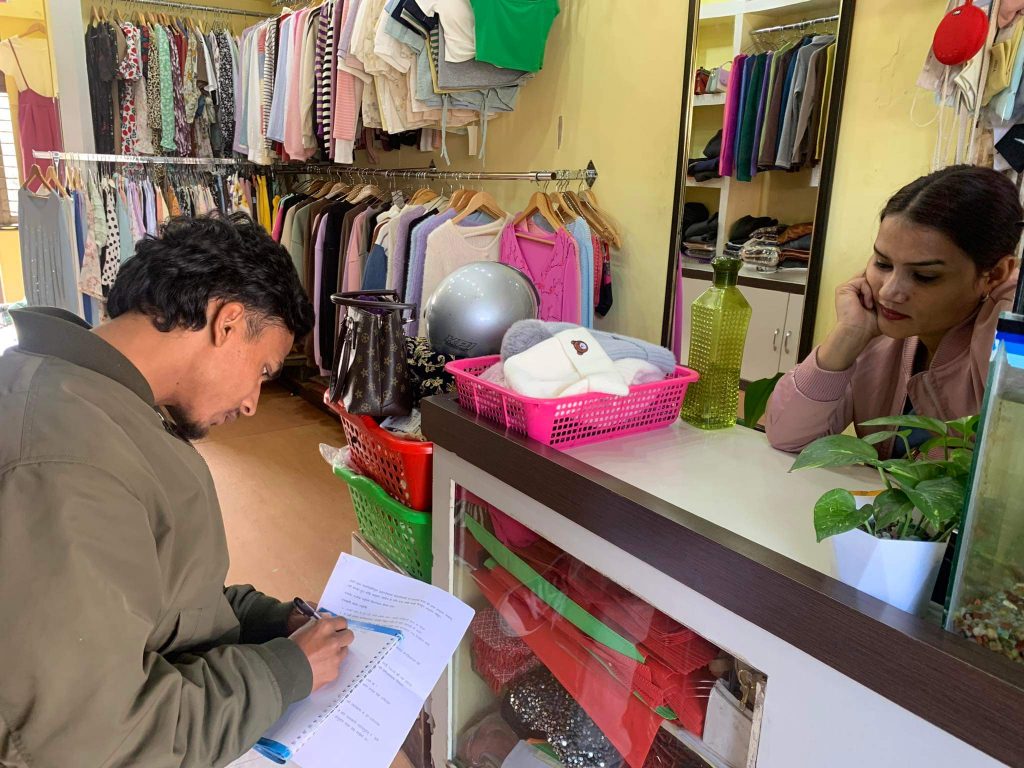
{"x":880,"y":149}
{"x":15,"y":18}
{"x":615,"y":79}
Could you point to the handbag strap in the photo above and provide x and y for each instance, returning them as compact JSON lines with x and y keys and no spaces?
{"x":347,"y":301}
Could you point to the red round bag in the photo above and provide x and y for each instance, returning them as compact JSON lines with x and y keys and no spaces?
{"x":961,"y":34}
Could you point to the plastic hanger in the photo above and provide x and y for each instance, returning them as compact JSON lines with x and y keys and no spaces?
{"x":481,"y":201}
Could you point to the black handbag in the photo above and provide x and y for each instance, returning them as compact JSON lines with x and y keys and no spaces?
{"x":370,"y":375}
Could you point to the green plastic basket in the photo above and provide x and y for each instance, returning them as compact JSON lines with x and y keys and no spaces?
{"x":400,"y":533}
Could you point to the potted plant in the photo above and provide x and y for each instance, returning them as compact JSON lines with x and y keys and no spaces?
{"x":892,"y":546}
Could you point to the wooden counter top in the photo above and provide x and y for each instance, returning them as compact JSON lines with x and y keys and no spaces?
{"x":719,"y":513}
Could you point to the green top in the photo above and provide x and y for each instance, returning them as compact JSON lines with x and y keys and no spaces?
{"x":513,"y":33}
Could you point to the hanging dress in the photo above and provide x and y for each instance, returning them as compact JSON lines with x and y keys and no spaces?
{"x":38,"y":123}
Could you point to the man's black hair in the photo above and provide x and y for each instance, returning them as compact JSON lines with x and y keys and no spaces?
{"x":173,"y":277}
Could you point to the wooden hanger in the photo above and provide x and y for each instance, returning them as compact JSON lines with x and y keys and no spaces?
{"x":36,"y":173}
{"x":37,"y":28}
{"x":461,"y":197}
{"x":423,"y":195}
{"x":590,"y":202}
{"x":51,"y":176}
{"x":539,"y":203}
{"x":481,"y":201}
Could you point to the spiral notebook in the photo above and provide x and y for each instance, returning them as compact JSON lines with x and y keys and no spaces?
{"x":305,"y":719}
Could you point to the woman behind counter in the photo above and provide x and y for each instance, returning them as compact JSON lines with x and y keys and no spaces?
{"x":915,"y":330}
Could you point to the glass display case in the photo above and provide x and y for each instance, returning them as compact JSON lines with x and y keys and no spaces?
{"x":987,"y":591}
{"x":564,"y":667}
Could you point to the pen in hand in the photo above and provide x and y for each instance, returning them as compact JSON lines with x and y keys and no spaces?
{"x":305,"y":608}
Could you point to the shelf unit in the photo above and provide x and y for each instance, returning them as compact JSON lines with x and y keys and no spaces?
{"x":472,"y":698}
{"x":723,"y":30}
{"x":709,"y":100}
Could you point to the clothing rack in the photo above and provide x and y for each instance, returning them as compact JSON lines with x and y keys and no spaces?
{"x":88,"y":157}
{"x":203,"y":8}
{"x":796,"y":25}
{"x":588,"y":174}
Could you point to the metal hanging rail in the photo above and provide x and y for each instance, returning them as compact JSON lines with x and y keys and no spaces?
{"x":202,"y":8}
{"x":588,"y":174}
{"x":87,"y":157}
{"x":796,"y":25}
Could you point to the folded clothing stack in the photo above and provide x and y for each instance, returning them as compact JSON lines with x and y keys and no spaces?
{"x":743,"y":229}
{"x":795,"y":244}
{"x":706,"y":168}
{"x":700,"y":237}
{"x":762,"y":248}
{"x":550,"y":360}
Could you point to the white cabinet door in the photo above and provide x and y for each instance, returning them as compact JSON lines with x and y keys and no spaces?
{"x":761,"y":355}
{"x":791,"y":336}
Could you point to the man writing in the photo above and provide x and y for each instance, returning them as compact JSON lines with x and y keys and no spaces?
{"x":121,"y":645}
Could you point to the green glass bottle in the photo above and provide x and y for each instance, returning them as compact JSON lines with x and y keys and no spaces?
{"x":718,"y":329}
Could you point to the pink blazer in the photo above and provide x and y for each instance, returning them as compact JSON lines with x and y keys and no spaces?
{"x":809,"y":402}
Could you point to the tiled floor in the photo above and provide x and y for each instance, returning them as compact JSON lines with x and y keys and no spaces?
{"x":286,"y":516}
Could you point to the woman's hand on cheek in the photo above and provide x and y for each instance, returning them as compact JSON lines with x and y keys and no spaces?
{"x":857,"y":326}
{"x":855,"y":308}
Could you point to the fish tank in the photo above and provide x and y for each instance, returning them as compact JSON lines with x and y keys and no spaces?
{"x":986,"y":595}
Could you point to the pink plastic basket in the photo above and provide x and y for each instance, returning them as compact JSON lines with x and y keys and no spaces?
{"x":568,"y":421}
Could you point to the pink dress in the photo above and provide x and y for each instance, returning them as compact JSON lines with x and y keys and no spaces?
{"x":552,"y":263}
{"x":38,"y":123}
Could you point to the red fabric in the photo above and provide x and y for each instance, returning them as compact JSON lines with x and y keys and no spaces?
{"x":678,"y":647}
{"x":39,"y":128}
{"x":657,"y":683}
{"x":627,"y":722}
{"x":498,"y":657}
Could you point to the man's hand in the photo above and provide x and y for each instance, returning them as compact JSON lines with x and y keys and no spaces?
{"x":297,"y":619}
{"x":325,"y":643}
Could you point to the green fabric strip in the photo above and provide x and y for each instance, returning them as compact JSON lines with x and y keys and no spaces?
{"x":546,"y":591}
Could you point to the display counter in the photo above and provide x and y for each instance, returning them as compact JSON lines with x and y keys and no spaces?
{"x":713,"y":534}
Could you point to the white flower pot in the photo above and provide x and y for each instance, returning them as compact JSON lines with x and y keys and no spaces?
{"x":902,"y":573}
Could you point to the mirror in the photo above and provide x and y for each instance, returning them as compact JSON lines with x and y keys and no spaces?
{"x":759,"y":124}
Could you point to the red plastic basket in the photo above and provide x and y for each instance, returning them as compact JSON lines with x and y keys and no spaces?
{"x":401,"y":467}
{"x":576,"y":420}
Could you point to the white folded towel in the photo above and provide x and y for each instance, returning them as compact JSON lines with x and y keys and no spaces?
{"x":569,"y":363}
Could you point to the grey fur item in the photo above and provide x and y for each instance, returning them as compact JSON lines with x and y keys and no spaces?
{"x":528,"y":333}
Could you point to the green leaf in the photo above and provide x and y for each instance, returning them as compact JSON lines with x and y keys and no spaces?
{"x":836,"y":512}
{"x":941,"y":442}
{"x":910,"y":422}
{"x":836,"y":451}
{"x":755,"y":399}
{"x":908,"y":473}
{"x":880,"y":437}
{"x":890,"y":507}
{"x":967,"y":426}
{"x":962,"y":458}
{"x":939,"y":500}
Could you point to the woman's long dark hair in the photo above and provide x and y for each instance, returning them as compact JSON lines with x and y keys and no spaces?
{"x":976,"y":208}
